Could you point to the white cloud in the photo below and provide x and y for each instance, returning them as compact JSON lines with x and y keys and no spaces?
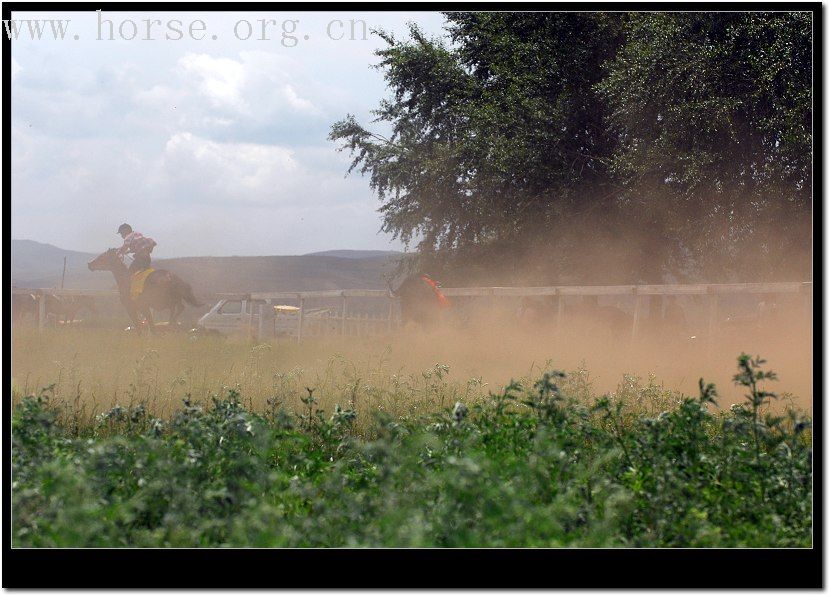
{"x":221,"y":79}
{"x":211,"y":147}
{"x":295,"y":101}
{"x":234,"y":172}
{"x":257,"y":85}
{"x":156,"y":96}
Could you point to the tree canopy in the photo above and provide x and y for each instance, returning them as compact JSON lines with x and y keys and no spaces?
{"x":594,"y":147}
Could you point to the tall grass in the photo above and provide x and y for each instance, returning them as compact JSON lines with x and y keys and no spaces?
{"x":94,"y":370}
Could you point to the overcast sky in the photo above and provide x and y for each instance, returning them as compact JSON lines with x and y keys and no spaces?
{"x":212,"y":147}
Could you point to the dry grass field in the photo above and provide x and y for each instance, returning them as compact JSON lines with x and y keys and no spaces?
{"x":94,"y":369}
{"x":408,"y":440}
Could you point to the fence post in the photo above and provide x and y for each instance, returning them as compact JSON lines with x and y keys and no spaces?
{"x":391,"y":313}
{"x":261,"y":325}
{"x":274,"y":325}
{"x":712,"y":319}
{"x":343,"y":315}
{"x":635,"y":326}
{"x":300,"y":322}
{"x":807,"y":292}
{"x":560,"y":311}
{"x":41,"y":310}
{"x":250,"y":306}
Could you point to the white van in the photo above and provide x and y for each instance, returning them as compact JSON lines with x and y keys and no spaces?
{"x":240,"y":315}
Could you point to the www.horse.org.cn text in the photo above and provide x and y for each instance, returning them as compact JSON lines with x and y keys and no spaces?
{"x":288,"y":33}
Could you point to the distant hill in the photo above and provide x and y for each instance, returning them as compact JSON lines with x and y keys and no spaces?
{"x":280,"y":273}
{"x":38,"y":265}
{"x":356,"y":254}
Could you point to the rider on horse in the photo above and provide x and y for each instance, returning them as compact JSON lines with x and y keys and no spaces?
{"x":139,"y":245}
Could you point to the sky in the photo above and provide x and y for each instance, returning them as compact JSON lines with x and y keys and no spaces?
{"x":210,"y":146}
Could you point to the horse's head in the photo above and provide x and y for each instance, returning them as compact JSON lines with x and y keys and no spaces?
{"x":106,"y":261}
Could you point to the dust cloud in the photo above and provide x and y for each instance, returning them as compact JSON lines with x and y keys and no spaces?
{"x":676,"y":340}
{"x":498,"y":345}
{"x":498,"y":349}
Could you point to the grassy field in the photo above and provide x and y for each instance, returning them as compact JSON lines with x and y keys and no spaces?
{"x":95,"y":369}
{"x":122,"y":440}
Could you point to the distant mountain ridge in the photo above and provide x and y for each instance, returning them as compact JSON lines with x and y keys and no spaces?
{"x":355,"y":254}
{"x":39,"y":265}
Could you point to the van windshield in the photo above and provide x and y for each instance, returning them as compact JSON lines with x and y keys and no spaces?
{"x":231,"y":307}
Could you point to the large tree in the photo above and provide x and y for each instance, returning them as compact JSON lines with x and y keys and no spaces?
{"x":563,"y":147}
{"x":712,"y":113}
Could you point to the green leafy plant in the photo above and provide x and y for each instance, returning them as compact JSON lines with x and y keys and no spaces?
{"x":531,"y":465}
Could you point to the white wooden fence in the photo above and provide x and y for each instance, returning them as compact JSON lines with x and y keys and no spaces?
{"x":713,"y":291}
{"x":364,"y":324}
{"x":40,"y":295}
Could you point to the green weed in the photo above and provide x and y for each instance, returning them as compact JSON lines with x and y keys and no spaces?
{"x":543,"y":463}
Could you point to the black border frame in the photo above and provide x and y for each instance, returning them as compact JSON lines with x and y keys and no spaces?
{"x":422,"y":568}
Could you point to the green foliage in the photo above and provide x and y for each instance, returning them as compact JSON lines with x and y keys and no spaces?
{"x":513,"y":139}
{"x":532,"y":465}
{"x":713,"y":115}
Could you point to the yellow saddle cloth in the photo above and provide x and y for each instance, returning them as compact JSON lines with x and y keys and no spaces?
{"x":137,"y":282}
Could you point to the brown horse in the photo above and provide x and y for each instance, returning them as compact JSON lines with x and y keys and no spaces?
{"x":162,"y":290}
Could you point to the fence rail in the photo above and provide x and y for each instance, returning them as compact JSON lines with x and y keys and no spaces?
{"x":346,"y":324}
{"x":40,"y":295}
{"x":318,"y":294}
{"x":713,"y":291}
{"x":74,"y":292}
{"x":642,"y":290}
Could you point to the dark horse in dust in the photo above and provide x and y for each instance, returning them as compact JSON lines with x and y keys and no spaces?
{"x":162,"y":290}
{"x":422,"y":302}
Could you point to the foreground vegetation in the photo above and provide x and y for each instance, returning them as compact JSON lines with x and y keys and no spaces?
{"x":533,"y":465}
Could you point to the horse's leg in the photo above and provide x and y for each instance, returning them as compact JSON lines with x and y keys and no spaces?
{"x":175,"y":311}
{"x":150,"y":324}
{"x":132,"y":312}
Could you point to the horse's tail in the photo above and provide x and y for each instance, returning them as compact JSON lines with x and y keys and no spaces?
{"x":187,"y":294}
